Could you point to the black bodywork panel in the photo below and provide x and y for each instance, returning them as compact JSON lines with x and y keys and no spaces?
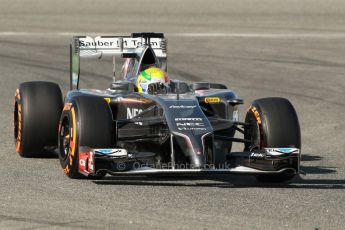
{"x":192,"y":130}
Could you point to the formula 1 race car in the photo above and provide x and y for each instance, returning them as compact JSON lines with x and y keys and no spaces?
{"x":182,"y":129}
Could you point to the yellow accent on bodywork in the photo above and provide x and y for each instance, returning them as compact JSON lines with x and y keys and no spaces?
{"x":211,"y":100}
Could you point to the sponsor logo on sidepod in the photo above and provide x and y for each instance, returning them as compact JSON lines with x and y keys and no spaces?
{"x":132,"y":112}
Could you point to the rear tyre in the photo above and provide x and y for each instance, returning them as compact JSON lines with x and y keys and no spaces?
{"x":37,"y":109}
{"x":86,"y":121}
{"x":273,"y":123}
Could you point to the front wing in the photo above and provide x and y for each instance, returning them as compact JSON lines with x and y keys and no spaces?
{"x":121,"y":162}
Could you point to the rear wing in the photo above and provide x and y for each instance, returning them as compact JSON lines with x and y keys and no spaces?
{"x":86,"y":47}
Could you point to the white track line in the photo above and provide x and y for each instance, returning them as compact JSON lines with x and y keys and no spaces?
{"x":263,"y":35}
{"x":317,"y":185}
{"x":192,"y":35}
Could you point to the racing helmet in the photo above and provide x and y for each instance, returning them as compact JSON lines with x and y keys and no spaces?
{"x":148,"y":76}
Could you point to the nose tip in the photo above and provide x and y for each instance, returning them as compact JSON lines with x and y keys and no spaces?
{"x":197,"y":161}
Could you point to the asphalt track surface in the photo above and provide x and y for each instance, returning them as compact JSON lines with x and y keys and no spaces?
{"x":293,"y":49}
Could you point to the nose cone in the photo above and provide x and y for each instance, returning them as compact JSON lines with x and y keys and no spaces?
{"x":197,"y":160}
{"x":189,"y":126}
{"x":194,"y":147}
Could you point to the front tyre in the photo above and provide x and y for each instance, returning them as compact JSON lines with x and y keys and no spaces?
{"x":85,"y":121}
{"x":273,"y":123}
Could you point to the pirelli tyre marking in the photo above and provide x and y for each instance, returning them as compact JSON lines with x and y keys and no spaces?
{"x":259,"y":122}
{"x":256,"y":114}
{"x":18,"y":122}
{"x":67,"y":107}
{"x":72,"y":140}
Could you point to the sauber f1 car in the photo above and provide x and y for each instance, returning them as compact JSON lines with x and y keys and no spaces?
{"x":181,"y":128}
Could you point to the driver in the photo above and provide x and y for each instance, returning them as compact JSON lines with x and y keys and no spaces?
{"x":152,"y":80}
